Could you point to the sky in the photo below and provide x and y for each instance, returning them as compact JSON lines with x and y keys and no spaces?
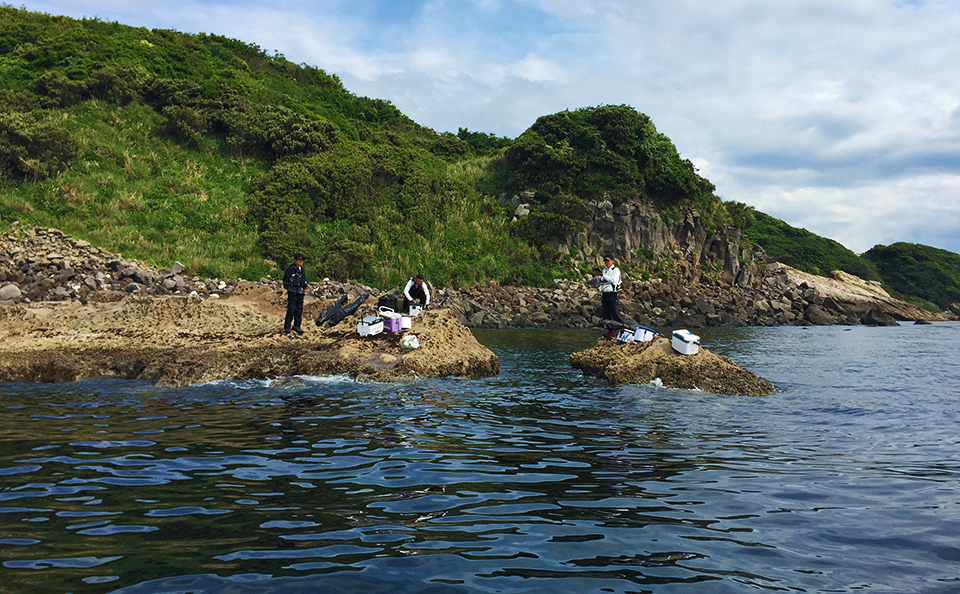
{"x":838,"y":116}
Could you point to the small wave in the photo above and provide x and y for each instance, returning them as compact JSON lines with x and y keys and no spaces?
{"x":293,"y":381}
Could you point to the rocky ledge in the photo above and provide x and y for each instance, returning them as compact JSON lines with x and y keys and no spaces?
{"x":181,"y":340}
{"x":644,"y":362}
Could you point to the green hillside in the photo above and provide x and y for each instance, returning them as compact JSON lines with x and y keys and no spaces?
{"x":168,"y":146}
{"x":807,"y":251}
{"x":919,"y":270}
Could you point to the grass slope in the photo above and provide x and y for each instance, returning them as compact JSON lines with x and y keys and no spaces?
{"x":807,"y":251}
{"x":929,"y":273}
{"x":167,"y":146}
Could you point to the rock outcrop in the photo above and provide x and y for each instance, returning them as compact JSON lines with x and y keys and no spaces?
{"x":629,"y":228}
{"x":39,"y":264}
{"x":180,"y":340}
{"x":780,"y":296}
{"x":645,"y":362}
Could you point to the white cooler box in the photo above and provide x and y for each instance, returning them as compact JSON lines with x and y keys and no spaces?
{"x":685,"y":343}
{"x":370,"y":325}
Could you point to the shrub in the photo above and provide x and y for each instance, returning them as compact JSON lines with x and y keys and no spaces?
{"x":184,"y":123}
{"x":60,"y":90}
{"x":35,"y":145}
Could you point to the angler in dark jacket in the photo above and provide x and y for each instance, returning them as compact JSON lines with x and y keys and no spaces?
{"x":295,"y":282}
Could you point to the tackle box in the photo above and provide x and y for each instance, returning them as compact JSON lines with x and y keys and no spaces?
{"x":391,"y":319}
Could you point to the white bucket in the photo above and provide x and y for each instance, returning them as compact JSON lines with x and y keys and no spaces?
{"x":406,"y":322}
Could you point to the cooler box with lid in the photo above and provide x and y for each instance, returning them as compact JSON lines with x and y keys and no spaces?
{"x":391,"y":319}
{"x":685,"y":343}
{"x":370,"y":325}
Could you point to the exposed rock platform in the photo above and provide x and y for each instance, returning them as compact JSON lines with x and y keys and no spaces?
{"x":643,"y":362}
{"x":181,"y":340}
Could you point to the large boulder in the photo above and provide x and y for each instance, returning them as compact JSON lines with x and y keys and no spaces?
{"x":643,"y":362}
{"x":876,"y":317}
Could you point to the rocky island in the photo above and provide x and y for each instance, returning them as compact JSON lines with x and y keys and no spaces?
{"x":644,"y":362}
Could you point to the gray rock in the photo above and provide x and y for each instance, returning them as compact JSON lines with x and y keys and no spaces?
{"x":875,"y":317}
{"x":10,"y":292}
{"x":819,"y":316}
{"x":60,"y":294}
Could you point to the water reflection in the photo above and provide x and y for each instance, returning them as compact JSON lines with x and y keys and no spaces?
{"x":537,"y":479}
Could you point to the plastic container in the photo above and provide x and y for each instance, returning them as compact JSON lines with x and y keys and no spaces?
{"x":638,"y":334}
{"x":406,"y":322}
{"x":370,"y":325}
{"x":685,"y":343}
{"x":391,"y":319}
{"x":415,"y":310}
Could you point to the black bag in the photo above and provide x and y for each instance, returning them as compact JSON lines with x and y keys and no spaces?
{"x":393,"y":301}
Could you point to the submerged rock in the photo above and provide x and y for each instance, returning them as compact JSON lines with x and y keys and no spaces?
{"x":175,"y":341}
{"x":643,"y":362}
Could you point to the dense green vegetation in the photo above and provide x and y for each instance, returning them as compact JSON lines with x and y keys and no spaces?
{"x":572,"y":158}
{"x":164,"y":145}
{"x":916,"y":270}
{"x":167,"y":146}
{"x":806,"y":251}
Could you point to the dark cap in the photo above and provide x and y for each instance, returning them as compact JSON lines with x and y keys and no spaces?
{"x":299,"y":257}
{"x":419,"y":276}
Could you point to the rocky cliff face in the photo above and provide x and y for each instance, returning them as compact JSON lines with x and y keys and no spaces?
{"x":624,"y":229}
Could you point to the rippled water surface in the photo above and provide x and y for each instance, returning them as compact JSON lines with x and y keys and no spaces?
{"x":538,"y":480}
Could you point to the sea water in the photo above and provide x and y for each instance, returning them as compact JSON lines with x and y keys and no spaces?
{"x":537,"y":480}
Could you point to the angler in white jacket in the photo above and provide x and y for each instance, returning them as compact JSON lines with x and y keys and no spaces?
{"x":608,"y":282}
{"x":416,"y":290}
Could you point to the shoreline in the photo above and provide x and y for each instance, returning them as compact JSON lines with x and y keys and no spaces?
{"x":48,"y":265}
